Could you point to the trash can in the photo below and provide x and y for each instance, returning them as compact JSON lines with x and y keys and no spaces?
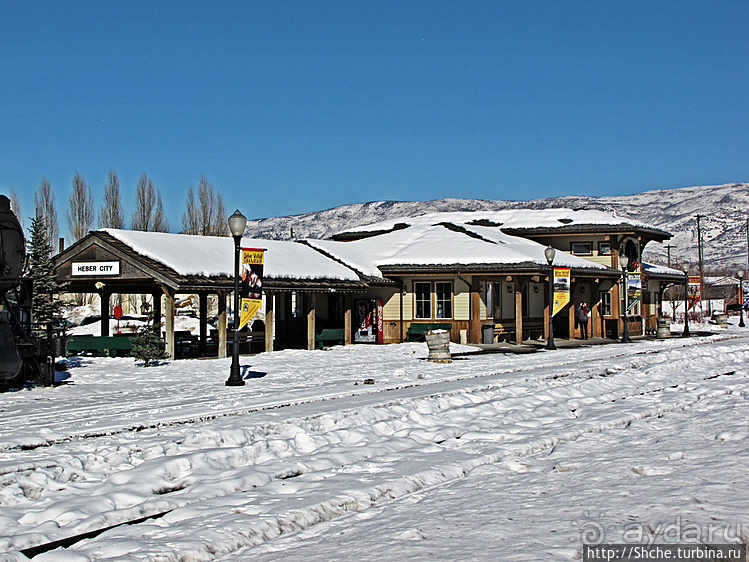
{"x":487,"y":333}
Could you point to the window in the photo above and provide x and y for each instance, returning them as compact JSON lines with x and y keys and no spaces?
{"x":605,"y":304}
{"x":604,"y":248}
{"x":444,"y":299}
{"x":423,"y":299}
{"x":581,"y":248}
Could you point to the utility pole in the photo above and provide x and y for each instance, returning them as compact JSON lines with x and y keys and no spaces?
{"x":671,"y":289}
{"x":699,"y":255}
{"x":668,"y":249}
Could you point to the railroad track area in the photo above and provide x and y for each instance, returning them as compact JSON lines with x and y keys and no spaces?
{"x":200,"y":486}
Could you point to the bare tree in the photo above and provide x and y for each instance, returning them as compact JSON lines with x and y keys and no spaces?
{"x":81,"y":210}
{"x":111,"y":214}
{"x":44,"y":203}
{"x":15,"y":206}
{"x":207,"y":215}
{"x":149,"y":211}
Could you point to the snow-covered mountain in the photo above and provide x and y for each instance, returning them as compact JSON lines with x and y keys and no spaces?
{"x":724,"y":208}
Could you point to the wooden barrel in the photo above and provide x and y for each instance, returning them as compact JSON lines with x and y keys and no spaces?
{"x":664,"y":328}
{"x":438,"y":342}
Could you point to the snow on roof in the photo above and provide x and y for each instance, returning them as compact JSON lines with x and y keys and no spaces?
{"x":443,"y":245}
{"x":214,"y":255}
{"x":509,"y":219}
{"x":660,"y":270}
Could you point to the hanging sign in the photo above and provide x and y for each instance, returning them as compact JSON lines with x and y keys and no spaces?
{"x":634,"y":289}
{"x":251,"y":285}
{"x":694,"y":290}
{"x":562,"y":280}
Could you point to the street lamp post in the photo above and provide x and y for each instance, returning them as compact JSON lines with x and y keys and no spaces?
{"x":741,"y":298}
{"x":686,"y":333}
{"x":623,"y":262}
{"x":237,"y":225}
{"x":550,"y":253}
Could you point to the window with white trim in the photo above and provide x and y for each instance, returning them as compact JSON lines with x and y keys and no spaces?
{"x":443,"y":291}
{"x":423,"y":300}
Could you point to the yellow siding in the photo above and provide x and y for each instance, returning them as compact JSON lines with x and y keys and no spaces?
{"x":390,"y":310}
{"x":461,"y":300}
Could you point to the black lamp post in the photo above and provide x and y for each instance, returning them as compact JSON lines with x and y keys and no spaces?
{"x":741,"y":297}
{"x":237,"y":225}
{"x":550,"y":253}
{"x":623,"y":262}
{"x":686,"y":333}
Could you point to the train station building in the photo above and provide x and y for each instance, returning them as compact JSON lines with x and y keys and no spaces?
{"x":483,"y":275}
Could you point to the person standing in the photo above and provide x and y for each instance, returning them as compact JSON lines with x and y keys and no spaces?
{"x":582,"y":319}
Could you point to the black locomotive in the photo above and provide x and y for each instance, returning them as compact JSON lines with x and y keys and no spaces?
{"x":26,"y":349}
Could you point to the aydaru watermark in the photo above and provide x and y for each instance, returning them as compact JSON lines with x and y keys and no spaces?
{"x":679,"y":531}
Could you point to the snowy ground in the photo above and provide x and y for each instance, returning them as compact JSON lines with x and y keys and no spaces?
{"x":495,"y":456}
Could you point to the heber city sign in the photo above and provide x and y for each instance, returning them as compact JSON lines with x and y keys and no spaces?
{"x":94,"y":268}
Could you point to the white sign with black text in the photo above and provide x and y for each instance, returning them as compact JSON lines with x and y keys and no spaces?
{"x":95,"y":268}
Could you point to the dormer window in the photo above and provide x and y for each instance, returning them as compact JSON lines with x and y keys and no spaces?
{"x":581,"y":248}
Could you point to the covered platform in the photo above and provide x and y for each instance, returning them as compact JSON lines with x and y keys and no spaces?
{"x":304,"y":291}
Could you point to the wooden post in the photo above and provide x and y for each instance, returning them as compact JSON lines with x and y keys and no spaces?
{"x":347,"y":331}
{"x":157,"y":313}
{"x":310,"y":320}
{"x":203,"y":305}
{"x":169,"y":321}
{"x":269,"y":322}
{"x":518,"y":313}
{"x":520,"y":283}
{"x":221,"y":324}
{"x":547,"y":311}
{"x":106,"y":292}
{"x":475,"y":334}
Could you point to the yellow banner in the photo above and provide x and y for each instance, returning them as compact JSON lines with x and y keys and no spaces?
{"x":562,"y":280}
{"x":251,"y":289}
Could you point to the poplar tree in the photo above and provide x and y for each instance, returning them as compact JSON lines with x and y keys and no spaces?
{"x":15,"y":206}
{"x":111,"y":214}
{"x":207,"y":215}
{"x":149,"y":212}
{"x":81,"y":209}
{"x":44,"y":203}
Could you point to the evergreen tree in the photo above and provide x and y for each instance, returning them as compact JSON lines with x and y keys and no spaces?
{"x":46,"y":304}
{"x":147,"y":345}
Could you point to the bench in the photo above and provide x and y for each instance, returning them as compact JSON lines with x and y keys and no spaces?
{"x":329,"y":336}
{"x":185,"y":344}
{"x":118,"y":345}
{"x":533,"y":328}
{"x":417,"y":330}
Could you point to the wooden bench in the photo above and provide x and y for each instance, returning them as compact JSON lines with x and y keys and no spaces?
{"x":416,"y":330}
{"x":185,"y":344}
{"x":533,"y":328}
{"x":118,"y":345}
{"x":329,"y":336}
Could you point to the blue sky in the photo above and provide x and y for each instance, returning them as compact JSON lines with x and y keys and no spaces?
{"x":290,"y":107}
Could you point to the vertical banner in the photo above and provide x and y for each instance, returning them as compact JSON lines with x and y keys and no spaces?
{"x":251,"y":285}
{"x":694,"y":290}
{"x":634,"y":289}
{"x":562,"y":280}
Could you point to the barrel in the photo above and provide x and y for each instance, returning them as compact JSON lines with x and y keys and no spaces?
{"x":721,"y":319}
{"x":438,"y":342}
{"x":664,"y":328}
